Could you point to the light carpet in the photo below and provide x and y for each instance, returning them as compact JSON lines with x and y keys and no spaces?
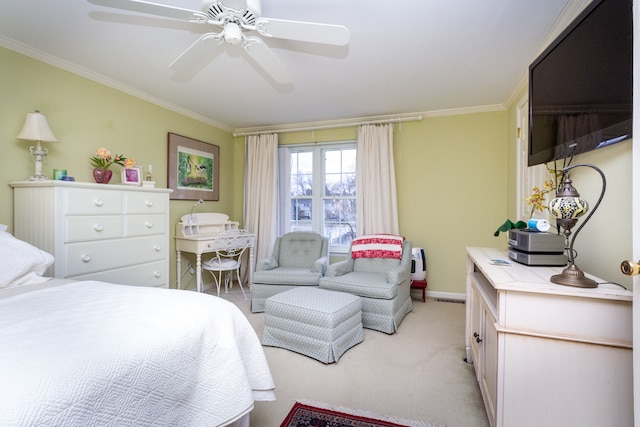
{"x":417,"y":373}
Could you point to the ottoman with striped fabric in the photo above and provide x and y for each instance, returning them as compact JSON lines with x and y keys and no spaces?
{"x":315,"y":322}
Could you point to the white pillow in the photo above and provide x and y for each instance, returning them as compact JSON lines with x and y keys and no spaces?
{"x":21,"y":263}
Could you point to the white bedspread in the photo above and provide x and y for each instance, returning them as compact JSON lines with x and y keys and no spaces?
{"x":92,"y":353}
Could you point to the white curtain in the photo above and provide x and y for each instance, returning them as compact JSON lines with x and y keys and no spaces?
{"x":284,"y":191}
{"x":261,"y":192}
{"x":376,"y":181}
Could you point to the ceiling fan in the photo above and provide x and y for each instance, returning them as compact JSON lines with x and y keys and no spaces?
{"x":235,"y":17}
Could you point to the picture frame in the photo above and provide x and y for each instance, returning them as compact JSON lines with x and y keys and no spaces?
{"x":193,"y":169}
{"x":132,"y":176}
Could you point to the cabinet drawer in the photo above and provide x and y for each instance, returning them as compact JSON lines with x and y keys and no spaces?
{"x":93,"y":202}
{"x":91,"y":257}
{"x":144,"y":225}
{"x":141,"y":202}
{"x":153,"y":274}
{"x":93,"y":227}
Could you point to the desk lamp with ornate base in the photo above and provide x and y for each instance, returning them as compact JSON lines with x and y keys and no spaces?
{"x":36,"y":128}
{"x":568,"y":207}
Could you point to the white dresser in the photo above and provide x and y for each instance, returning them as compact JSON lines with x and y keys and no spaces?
{"x":112,"y":233}
{"x":547,"y":354}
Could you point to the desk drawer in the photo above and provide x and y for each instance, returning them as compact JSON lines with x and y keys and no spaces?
{"x":81,"y":228}
{"x":91,"y":257}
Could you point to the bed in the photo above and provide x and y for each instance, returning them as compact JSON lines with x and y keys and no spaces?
{"x":88,"y":353}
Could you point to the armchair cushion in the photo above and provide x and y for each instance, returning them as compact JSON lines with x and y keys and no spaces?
{"x":369,"y":285}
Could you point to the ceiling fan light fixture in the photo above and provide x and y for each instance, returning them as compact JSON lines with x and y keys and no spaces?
{"x":232,"y":33}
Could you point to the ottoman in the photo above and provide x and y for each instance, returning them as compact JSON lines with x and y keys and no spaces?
{"x":315,"y":322}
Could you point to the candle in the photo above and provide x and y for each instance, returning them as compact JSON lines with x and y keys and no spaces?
{"x":150,"y":168}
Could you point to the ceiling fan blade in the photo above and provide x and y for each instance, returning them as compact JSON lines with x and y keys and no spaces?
{"x":266,"y":59}
{"x":303,"y":31}
{"x":154,"y":9}
{"x":195,"y":53}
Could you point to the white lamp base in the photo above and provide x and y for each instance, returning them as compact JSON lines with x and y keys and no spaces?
{"x":39,"y":154}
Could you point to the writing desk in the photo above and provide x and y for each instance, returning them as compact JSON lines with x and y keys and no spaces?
{"x":198,"y":245}
{"x":196,"y":233}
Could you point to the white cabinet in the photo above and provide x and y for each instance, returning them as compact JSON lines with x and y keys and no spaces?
{"x":547,"y":354}
{"x":113,"y":233}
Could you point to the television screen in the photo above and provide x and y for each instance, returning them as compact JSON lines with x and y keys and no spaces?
{"x":580,"y":87}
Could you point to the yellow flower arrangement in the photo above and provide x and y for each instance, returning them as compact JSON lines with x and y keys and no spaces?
{"x":537,"y":199}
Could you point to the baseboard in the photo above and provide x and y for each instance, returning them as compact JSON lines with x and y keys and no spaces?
{"x":446,"y":295}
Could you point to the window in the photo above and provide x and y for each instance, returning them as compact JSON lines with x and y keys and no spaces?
{"x":323,"y":192}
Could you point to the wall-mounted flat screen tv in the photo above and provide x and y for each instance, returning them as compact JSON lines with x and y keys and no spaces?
{"x":580,"y":87}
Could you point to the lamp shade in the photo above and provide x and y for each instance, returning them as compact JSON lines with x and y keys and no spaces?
{"x":36,"y":128}
{"x":568,"y":207}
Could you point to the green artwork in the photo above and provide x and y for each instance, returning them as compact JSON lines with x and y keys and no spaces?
{"x":195,"y":170}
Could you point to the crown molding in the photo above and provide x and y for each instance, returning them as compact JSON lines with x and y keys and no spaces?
{"x":57,"y":62}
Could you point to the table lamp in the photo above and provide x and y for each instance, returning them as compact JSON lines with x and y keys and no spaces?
{"x":567,"y":207}
{"x":36,"y":128}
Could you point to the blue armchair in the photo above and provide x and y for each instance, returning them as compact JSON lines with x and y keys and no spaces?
{"x":299,"y":258}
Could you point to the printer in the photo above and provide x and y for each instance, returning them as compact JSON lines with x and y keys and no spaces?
{"x":536,"y":248}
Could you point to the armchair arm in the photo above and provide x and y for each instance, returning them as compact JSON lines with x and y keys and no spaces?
{"x":267,"y":264}
{"x":320,"y":265}
{"x":401,"y":273}
{"x":340,"y":268}
{"x":397,"y":275}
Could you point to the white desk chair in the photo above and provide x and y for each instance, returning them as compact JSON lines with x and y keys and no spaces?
{"x":228,"y":246}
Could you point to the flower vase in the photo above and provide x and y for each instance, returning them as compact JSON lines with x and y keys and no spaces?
{"x":102,"y":176}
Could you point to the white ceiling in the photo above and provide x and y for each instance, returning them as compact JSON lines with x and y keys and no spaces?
{"x":403,"y":57}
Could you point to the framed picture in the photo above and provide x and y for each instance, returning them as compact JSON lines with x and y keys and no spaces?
{"x":132,"y":176}
{"x":194,"y":169}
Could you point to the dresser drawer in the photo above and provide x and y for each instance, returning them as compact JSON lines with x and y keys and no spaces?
{"x":91,"y":257}
{"x":145,"y":225}
{"x":153,"y":274}
{"x":141,"y":202}
{"x":93,"y":227}
{"x":93,"y":202}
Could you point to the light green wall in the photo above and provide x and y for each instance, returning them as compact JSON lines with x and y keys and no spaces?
{"x":85,"y":115}
{"x":606,"y":239}
{"x":455,"y":174}
{"x":451,"y":189}
{"x":450,"y":170}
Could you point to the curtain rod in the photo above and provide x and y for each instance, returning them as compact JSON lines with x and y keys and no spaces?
{"x":334,"y":126}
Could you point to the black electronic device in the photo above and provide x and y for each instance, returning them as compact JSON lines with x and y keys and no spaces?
{"x":581,"y":86}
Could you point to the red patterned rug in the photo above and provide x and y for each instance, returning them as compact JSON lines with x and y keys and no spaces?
{"x":313,"y":416}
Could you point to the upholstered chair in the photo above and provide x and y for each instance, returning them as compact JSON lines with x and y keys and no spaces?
{"x":299,"y":258}
{"x":383,"y":283}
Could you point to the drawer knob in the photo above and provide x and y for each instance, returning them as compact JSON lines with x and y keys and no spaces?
{"x":156,"y":248}
{"x":477,"y":337}
{"x":156,"y":274}
{"x":148,"y":224}
{"x":86,"y":258}
{"x":98,"y":227}
{"x":149,"y":203}
{"x":98,"y":202}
